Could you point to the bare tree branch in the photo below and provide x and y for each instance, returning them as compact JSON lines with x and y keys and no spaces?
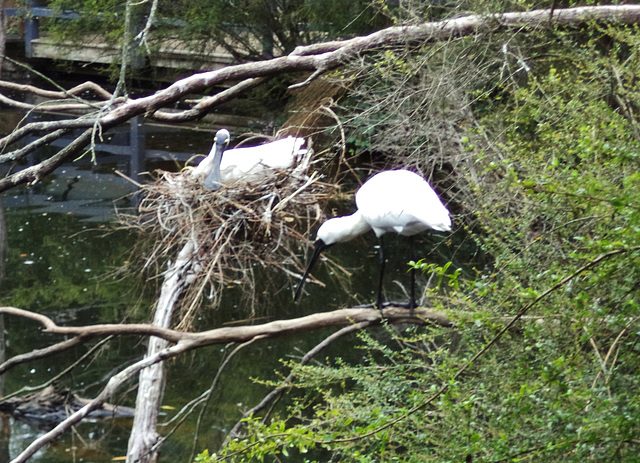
{"x":75,"y":91}
{"x":35,"y":173}
{"x":37,"y":143}
{"x":318,"y":59}
{"x":207,"y":395}
{"x":44,"y":106}
{"x":203,"y":106}
{"x":144,"y":34}
{"x":32,"y":127}
{"x":277,"y":392}
{"x":40,"y":353}
{"x":110,"y":389}
{"x":92,"y":331}
{"x":341,"y":317}
{"x":190,"y":341}
{"x":60,"y":347}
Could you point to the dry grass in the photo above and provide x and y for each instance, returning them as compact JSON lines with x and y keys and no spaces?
{"x":237,"y":229}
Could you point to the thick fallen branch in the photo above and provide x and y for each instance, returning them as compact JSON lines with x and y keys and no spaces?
{"x":93,"y":331}
{"x":53,"y":404}
{"x":340,"y":317}
{"x":318,"y":59}
{"x":190,"y":341}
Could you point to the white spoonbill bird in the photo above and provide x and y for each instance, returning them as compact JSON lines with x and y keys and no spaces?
{"x":251,"y":163}
{"x":210,"y":166}
{"x":391,"y":201}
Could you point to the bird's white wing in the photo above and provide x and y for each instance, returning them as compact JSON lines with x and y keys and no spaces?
{"x":403,"y":202}
{"x":249,"y":163}
{"x":429,"y":210}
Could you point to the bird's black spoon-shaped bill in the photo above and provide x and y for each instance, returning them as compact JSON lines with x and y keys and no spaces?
{"x":318,"y":247}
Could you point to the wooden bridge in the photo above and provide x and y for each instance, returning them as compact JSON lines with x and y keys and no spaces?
{"x":128,"y":143}
{"x":171,"y":55}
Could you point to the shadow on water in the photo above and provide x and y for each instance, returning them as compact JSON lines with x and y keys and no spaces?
{"x":60,"y":257}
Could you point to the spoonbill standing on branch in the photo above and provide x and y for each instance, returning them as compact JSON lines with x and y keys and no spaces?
{"x":391,"y":201}
{"x":251,"y":163}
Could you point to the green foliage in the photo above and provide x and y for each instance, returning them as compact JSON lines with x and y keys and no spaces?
{"x":440,"y":271}
{"x":549,"y":189}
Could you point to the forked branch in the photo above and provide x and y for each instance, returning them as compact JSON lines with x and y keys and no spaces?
{"x":314,"y":59}
{"x":189,"y":341}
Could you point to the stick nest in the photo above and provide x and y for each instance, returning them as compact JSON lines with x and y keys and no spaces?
{"x":237,"y":229}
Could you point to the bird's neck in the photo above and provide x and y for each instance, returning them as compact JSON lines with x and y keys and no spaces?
{"x":350,"y":226}
{"x":213,"y":180}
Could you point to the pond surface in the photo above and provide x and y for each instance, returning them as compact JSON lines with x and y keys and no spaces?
{"x":61,"y":260}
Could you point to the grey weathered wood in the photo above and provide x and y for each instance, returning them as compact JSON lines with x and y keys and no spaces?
{"x":152,"y":379}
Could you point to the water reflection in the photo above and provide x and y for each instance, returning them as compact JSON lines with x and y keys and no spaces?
{"x":73,"y":190}
{"x":60,"y":255}
{"x":59,"y":264}
{"x":60,"y":259}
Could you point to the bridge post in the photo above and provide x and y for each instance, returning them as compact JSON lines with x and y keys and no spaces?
{"x":31,"y":28}
{"x":137,"y":144}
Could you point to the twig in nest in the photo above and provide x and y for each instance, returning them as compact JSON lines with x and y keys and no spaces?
{"x":235,"y":228}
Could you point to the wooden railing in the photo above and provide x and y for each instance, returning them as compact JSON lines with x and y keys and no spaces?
{"x":32,"y":14}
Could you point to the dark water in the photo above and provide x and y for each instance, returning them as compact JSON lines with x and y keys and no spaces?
{"x":61,"y":255}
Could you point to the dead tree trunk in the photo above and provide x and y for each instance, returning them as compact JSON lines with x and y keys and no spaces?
{"x":5,"y":424}
{"x":3,"y":33}
{"x":152,"y":379}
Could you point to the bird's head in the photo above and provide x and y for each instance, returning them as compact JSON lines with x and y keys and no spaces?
{"x":329,"y":232}
{"x":334,"y":231}
{"x":222,"y":138}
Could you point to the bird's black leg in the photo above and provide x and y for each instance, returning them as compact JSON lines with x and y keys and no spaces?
{"x":412,"y":295}
{"x":382,"y":263}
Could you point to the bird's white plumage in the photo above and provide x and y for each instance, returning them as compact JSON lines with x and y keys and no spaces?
{"x":403,"y":202}
{"x":340,"y":229}
{"x":394,"y":200}
{"x":255,"y":162}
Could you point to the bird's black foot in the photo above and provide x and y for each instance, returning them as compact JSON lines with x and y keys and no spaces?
{"x":378,"y":306}
{"x":406,"y":305}
{"x":364,"y":306}
{"x":384,"y":304}
{"x":411,"y":305}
